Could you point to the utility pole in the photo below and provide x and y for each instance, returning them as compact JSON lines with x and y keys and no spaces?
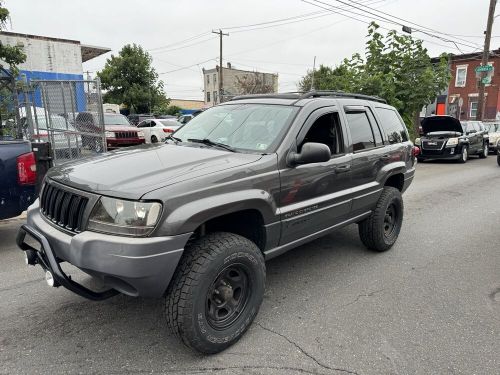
{"x":314,"y":70}
{"x":221,"y":87}
{"x":484,"y":62}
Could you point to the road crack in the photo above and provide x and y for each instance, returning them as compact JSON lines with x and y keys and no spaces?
{"x":371,"y":294}
{"x":307,"y":354}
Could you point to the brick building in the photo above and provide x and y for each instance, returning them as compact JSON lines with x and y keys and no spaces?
{"x":464,"y":85}
{"x":236,"y":82}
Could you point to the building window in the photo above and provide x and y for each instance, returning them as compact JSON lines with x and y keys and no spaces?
{"x":208,"y":79}
{"x":461,"y":76}
{"x":215,"y":78}
{"x":208,"y":96}
{"x":472,"y":110}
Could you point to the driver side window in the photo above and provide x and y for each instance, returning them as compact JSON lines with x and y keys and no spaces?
{"x":327,"y":130}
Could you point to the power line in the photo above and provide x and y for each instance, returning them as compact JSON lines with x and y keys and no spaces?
{"x":376,"y":13}
{"x":186,"y":46}
{"x":188,"y":66}
{"x":180,"y":42}
{"x":378,"y":18}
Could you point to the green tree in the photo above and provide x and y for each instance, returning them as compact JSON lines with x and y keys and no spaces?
{"x":12,"y":55}
{"x":130,"y":79}
{"x":173,"y":110}
{"x":395,"y":67}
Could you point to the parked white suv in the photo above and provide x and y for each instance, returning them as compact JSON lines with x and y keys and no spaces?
{"x":156,"y":130}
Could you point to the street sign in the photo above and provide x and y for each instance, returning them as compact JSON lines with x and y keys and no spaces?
{"x":486,"y":80}
{"x":483,"y":68}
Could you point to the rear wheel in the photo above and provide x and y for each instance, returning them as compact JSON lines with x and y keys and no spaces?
{"x":484,"y":153}
{"x":216,"y":291}
{"x":464,"y":155}
{"x":381,"y":229}
{"x":154,"y":139}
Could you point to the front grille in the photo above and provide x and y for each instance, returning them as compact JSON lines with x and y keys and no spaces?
{"x":63,"y":208}
{"x":437,"y":146}
{"x":432,"y":152}
{"x":126,"y":134}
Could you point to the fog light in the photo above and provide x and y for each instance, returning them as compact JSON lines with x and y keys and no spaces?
{"x":49,"y":278}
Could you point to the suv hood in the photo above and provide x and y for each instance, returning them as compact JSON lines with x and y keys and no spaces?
{"x":120,"y":128}
{"x":441,"y":124}
{"x":131,"y":173}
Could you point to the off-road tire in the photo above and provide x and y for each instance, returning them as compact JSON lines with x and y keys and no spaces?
{"x":154,"y":139}
{"x":372,"y":229}
{"x":485,"y":151}
{"x":186,"y":297}
{"x":463,"y":159}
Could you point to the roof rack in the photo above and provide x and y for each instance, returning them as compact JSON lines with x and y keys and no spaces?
{"x":310,"y":94}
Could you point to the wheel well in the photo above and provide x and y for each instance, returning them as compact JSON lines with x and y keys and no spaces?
{"x":397,"y":181}
{"x":246,"y":223}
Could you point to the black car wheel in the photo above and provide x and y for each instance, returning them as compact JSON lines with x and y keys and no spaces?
{"x":498,"y":158}
{"x":381,"y":229}
{"x":484,"y":153}
{"x":154,"y":139}
{"x":216,"y":291}
{"x":464,"y":155}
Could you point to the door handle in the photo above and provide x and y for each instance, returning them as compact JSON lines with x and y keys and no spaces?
{"x":342,"y":168}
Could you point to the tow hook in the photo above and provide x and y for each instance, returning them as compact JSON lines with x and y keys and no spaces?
{"x":49,"y":278}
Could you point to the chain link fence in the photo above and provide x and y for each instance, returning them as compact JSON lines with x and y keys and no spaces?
{"x":66,"y":113}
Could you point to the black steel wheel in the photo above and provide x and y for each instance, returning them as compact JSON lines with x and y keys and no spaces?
{"x":216,"y":291}
{"x":228,"y":296}
{"x":381,"y":229}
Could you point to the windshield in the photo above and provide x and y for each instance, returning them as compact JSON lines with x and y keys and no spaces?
{"x":253,"y":127}
{"x":115,"y":120}
{"x":492,"y":128}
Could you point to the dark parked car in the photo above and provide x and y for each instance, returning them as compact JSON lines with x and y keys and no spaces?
{"x":118,"y":131}
{"x":18,"y":177}
{"x":242,"y":182}
{"x":445,"y":137}
{"x":137,"y":118}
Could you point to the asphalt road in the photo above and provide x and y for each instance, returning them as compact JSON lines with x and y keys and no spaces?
{"x":431,"y":305}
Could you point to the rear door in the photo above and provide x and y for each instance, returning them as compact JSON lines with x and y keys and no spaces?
{"x":369,"y":155}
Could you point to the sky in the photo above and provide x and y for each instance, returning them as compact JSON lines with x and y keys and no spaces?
{"x":178,"y":33}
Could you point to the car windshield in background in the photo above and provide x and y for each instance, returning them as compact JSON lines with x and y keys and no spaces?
{"x":252,"y":127}
{"x":115,"y":120}
{"x":492,"y":128}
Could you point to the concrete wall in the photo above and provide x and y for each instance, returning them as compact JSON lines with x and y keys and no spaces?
{"x":45,"y":55}
{"x":187,"y":104}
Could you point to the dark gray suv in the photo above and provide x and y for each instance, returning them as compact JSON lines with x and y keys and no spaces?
{"x":193,"y":220}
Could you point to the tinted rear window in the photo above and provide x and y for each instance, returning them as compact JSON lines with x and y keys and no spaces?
{"x":393,"y":127}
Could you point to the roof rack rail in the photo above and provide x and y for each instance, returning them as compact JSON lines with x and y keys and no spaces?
{"x":310,"y":94}
{"x":343,"y":94}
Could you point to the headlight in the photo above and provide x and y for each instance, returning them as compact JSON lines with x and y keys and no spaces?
{"x":452,"y":142}
{"x":109,"y":134}
{"x":125,"y":218}
{"x":418,"y":141}
{"x":140,"y":134}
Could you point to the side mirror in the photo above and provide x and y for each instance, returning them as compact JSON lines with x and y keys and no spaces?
{"x":311,"y":153}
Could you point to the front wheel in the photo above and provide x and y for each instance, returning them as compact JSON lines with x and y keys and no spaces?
{"x":464,"y":155}
{"x":498,"y":159}
{"x":381,"y":229}
{"x":484,"y":153}
{"x":216,"y":291}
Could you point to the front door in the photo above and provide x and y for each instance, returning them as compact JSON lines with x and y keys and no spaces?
{"x":315,"y":196}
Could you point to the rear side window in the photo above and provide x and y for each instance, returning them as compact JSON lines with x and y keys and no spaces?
{"x":361,"y":131}
{"x":393,"y":127}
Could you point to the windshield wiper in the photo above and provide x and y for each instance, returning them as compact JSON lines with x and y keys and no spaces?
{"x":209,"y":142}
{"x":175,"y":139}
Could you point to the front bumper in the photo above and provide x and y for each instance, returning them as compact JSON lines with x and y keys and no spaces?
{"x":114,"y":143}
{"x":450,"y":153}
{"x":133,"y":266}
